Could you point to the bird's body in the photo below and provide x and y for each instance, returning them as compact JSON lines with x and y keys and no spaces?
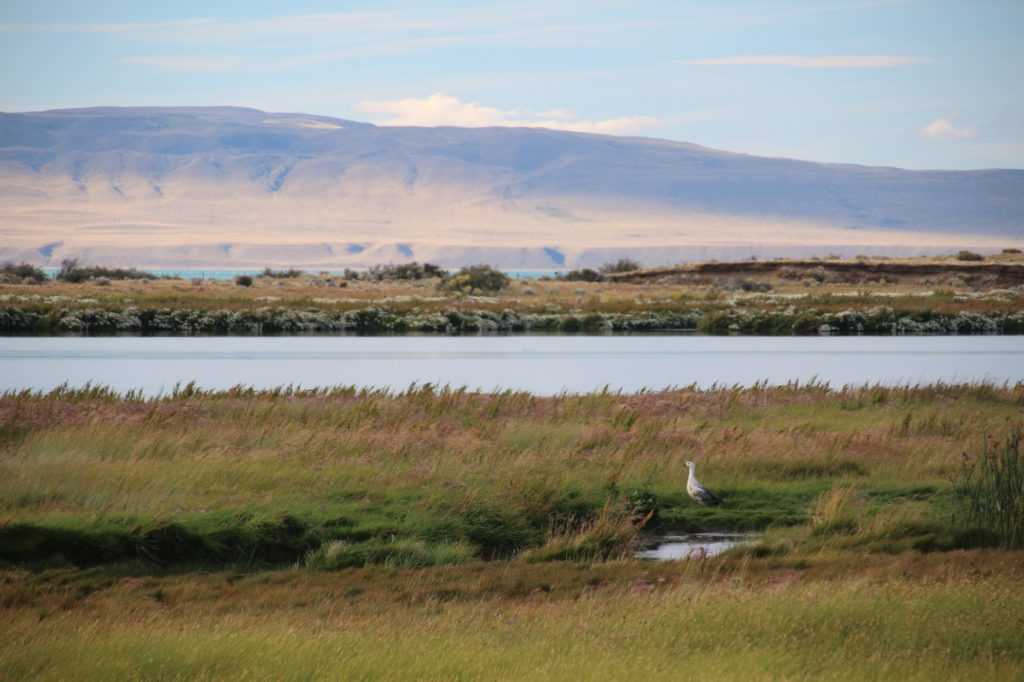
{"x":694,"y":489}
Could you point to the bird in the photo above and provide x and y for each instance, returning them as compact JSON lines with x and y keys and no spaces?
{"x":702,"y":495}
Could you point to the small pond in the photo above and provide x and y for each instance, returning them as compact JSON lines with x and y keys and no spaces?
{"x":676,"y":546}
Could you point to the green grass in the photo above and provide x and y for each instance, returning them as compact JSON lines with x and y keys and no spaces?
{"x":264,"y":477}
{"x":446,"y":534}
{"x":733,"y":626}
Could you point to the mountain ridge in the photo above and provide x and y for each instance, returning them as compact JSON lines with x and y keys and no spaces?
{"x":170,"y":186}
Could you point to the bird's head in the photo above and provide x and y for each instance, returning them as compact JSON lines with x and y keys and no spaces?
{"x":690,"y":465}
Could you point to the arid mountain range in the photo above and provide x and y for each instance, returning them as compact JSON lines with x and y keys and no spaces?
{"x":230,"y":187}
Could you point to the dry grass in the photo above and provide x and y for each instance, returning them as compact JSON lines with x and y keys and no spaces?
{"x":270,"y":475}
{"x":105,"y":454}
{"x":659,"y":293}
{"x":910,"y":617}
{"x":429,"y":478}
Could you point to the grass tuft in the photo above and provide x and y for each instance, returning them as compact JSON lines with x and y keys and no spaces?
{"x":989,"y":492}
{"x":394,"y":551}
{"x":611,"y":534}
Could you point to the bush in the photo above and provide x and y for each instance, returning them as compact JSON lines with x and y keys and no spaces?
{"x":477,"y":277}
{"x":621,"y":265}
{"x":1009,"y":251}
{"x":969,"y":255}
{"x":822,"y":275}
{"x":786,"y":272}
{"x":404,"y":272}
{"x":243,"y":280}
{"x":72,"y":271}
{"x":15,"y":274}
{"x":989,"y":492}
{"x":584,"y":275}
{"x":281,"y":274}
{"x":742,"y":284}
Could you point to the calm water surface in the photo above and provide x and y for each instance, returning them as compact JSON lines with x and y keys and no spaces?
{"x":676,"y":546}
{"x":542,"y":364}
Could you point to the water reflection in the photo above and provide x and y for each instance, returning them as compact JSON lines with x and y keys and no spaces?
{"x":543,"y":365}
{"x":676,"y":546}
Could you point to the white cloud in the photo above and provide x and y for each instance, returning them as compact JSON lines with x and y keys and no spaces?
{"x":185,"y":63}
{"x":949,"y":128}
{"x":440,"y":109}
{"x":831,"y":62}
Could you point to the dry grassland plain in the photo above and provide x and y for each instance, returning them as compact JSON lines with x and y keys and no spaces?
{"x":866,"y":296}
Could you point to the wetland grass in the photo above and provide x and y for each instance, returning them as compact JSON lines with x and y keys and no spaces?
{"x":267,"y":476}
{"x":443,"y":533}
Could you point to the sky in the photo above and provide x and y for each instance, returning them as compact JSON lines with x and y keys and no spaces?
{"x":907,"y":83}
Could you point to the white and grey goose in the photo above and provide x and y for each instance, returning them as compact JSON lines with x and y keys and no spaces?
{"x":697,"y":491}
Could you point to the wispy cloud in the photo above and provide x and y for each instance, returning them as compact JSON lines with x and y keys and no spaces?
{"x":338,"y":36}
{"x":184,"y":63}
{"x":325,"y":24}
{"x":949,"y":128}
{"x":441,"y":109}
{"x":95,"y":27}
{"x":828,"y":62}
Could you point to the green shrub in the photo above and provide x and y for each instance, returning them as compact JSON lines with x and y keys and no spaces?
{"x":472,"y":278}
{"x":15,"y":274}
{"x":401,"y":272}
{"x":282,"y":274}
{"x":584,"y":275}
{"x":742,"y":284}
{"x":969,"y":255}
{"x":621,"y":265}
{"x":72,"y":271}
{"x":243,"y":280}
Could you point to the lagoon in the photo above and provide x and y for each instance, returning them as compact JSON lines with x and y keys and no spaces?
{"x":545,"y":365}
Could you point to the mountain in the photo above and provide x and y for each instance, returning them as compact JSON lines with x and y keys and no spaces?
{"x":226,"y":186}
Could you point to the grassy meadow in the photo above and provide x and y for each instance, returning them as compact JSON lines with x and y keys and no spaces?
{"x":445,"y":534}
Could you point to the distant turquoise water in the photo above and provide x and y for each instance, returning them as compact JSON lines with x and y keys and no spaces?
{"x":231,"y":274}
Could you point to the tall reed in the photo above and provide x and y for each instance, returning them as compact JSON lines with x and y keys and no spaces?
{"x":989,"y":491}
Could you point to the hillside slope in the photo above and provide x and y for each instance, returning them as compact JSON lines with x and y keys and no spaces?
{"x":231,"y":186}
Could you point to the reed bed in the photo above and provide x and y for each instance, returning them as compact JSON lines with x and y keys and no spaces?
{"x":441,"y":533}
{"x":210,"y":476}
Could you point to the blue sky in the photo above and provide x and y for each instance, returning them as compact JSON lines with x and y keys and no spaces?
{"x":910,"y":83}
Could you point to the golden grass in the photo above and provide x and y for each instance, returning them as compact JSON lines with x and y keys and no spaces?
{"x":232,"y":450}
{"x":327,"y":292}
{"x":910,"y":617}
